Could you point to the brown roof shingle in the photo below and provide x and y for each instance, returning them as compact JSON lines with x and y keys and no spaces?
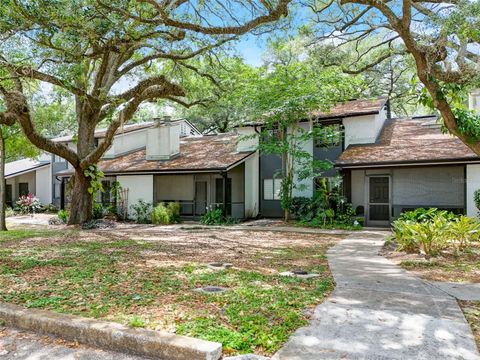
{"x":341,"y":110}
{"x":205,"y":153}
{"x":353,"y":108}
{"x":407,"y":141}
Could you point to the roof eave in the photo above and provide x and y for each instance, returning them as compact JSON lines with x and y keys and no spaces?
{"x":395,"y":163}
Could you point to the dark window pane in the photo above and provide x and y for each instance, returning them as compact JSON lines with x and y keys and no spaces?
{"x":379,"y":190}
{"x":22,"y":189}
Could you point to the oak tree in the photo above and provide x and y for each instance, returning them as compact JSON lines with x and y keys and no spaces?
{"x":101,"y":53}
{"x":442,"y":37}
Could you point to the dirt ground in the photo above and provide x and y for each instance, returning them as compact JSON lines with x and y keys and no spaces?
{"x":145,"y":276}
{"x":447,"y":266}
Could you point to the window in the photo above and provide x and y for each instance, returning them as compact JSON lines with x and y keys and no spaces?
{"x":271,"y":189}
{"x":219,"y":193}
{"x":22,"y":189}
{"x":328,"y":136}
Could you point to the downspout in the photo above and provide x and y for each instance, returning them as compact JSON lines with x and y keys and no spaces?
{"x":62,"y":194}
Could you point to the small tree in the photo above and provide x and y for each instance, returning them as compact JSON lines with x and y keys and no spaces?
{"x":284,"y":135}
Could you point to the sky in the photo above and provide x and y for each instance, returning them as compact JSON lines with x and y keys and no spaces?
{"x":251,"y":49}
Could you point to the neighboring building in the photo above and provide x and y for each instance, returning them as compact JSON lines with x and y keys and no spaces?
{"x":387,"y":165}
{"x":28,"y":176}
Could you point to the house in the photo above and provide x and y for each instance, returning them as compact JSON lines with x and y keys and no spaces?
{"x":387,"y":165}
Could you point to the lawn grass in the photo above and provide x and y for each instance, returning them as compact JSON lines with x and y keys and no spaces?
{"x":150,"y":284}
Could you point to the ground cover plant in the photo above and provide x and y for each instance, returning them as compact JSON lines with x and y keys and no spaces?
{"x":143,"y":277}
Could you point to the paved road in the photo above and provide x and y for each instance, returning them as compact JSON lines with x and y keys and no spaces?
{"x":17,"y":345}
{"x":379,"y":311}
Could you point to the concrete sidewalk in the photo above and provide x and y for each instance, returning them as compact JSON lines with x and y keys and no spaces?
{"x":380,"y":311}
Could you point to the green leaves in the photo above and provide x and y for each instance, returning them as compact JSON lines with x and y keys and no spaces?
{"x":95,"y":175}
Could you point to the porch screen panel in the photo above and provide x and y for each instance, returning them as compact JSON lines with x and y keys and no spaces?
{"x":429,"y":186}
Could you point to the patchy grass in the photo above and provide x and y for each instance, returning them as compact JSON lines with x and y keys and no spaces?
{"x":146,"y":279}
{"x":25,"y":233}
{"x":471,"y":309}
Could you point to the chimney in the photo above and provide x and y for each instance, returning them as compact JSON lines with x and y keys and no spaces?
{"x":163,"y":140}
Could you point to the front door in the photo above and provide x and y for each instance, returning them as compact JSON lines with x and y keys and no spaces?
{"x":200,"y":198}
{"x":379,"y":200}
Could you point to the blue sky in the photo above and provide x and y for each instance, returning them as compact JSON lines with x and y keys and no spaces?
{"x":251,"y":48}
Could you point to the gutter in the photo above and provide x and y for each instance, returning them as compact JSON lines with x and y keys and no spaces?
{"x":457,"y":161}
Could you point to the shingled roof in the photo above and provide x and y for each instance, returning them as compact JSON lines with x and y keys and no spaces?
{"x":206,"y":153}
{"x":353,"y":108}
{"x":340,"y":110}
{"x":405,"y":141}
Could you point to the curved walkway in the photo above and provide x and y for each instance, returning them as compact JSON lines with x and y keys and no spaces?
{"x":380,"y":311}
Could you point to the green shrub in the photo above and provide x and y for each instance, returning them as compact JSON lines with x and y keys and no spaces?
{"x":431,"y":235}
{"x":165,"y":215}
{"x":98,"y":211}
{"x":463,"y":231}
{"x":160,"y":215}
{"x":476,"y":199}
{"x":174,"y":209}
{"x":402,"y":231}
{"x":214,"y":216}
{"x":63,"y":216}
{"x":142,"y":212}
{"x":422,"y":215}
{"x":432,"y":230}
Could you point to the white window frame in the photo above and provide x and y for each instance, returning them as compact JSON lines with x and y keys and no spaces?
{"x":274,"y":193}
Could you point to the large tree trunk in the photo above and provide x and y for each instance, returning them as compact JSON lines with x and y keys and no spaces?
{"x":3,"y":186}
{"x":81,"y":200}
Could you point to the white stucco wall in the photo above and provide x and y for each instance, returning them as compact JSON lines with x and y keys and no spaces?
{"x":474,"y":100}
{"x":252,"y":185}
{"x":139,"y":187}
{"x":43,"y":184}
{"x":473,"y":184}
{"x":123,"y":143}
{"x":363,"y":129}
{"x":358,"y":188}
{"x":163,"y":142}
{"x":248,"y":139}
